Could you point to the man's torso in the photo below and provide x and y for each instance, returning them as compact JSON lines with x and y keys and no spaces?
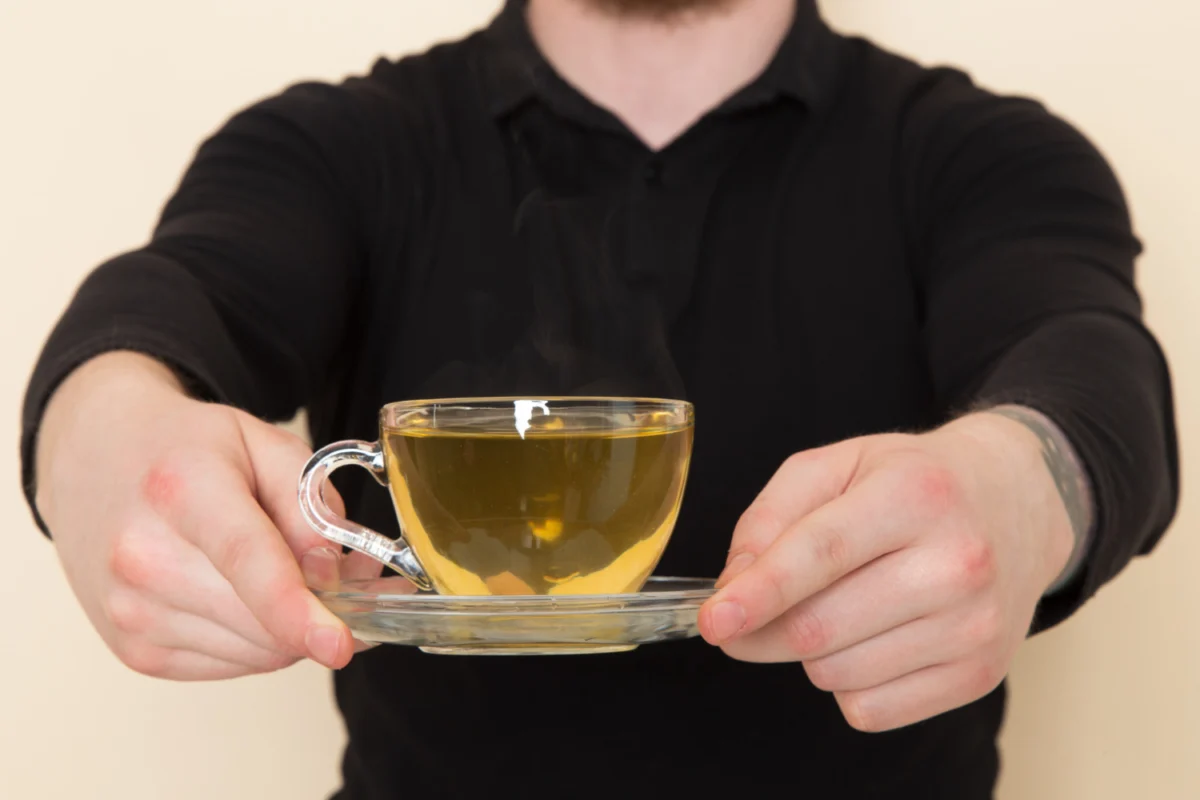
{"x":765,"y":266}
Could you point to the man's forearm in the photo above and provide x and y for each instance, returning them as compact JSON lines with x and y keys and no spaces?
{"x":1102,"y":380}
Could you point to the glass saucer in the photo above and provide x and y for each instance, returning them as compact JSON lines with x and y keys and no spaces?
{"x":389,"y":611}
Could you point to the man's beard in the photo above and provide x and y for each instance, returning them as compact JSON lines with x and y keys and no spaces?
{"x":659,"y":9}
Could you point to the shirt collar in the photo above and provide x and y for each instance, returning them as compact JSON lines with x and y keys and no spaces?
{"x":515,"y":71}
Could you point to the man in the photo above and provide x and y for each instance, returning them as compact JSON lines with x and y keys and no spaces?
{"x":930,"y":420}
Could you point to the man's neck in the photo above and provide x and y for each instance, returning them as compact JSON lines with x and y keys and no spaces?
{"x":659,"y":75}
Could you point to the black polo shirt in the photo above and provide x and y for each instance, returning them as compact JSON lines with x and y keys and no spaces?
{"x":851,"y":244}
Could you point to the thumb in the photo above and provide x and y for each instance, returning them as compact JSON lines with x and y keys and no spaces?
{"x":806,"y":481}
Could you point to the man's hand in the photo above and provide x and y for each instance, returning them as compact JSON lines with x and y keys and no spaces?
{"x":177,"y":524}
{"x":902,"y":570}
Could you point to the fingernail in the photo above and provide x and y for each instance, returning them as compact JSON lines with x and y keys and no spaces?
{"x":320,"y":567}
{"x":726,"y":619}
{"x":735,"y":568}
{"x":324,"y":644}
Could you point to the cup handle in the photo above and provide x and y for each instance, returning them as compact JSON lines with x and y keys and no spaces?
{"x":395,"y":553}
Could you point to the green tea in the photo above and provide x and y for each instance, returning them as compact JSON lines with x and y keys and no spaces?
{"x":539,"y":511}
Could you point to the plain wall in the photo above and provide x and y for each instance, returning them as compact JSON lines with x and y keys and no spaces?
{"x":101,"y":106}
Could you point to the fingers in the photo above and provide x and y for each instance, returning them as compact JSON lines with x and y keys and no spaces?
{"x":805,"y":482}
{"x":152,"y":560}
{"x":885,"y":594}
{"x":918,"y":695}
{"x":277,"y":459}
{"x":322,"y":568}
{"x":154,"y":564}
{"x":140,"y":621}
{"x":211,"y":506}
{"x":891,"y":655}
{"x":326,"y":569}
{"x":180,"y":665}
{"x":831,"y":542}
{"x":361,"y":567}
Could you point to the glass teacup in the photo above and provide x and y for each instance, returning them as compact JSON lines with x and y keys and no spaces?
{"x":503,"y":496}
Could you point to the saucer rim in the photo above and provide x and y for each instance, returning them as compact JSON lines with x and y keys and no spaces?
{"x":701,"y":589}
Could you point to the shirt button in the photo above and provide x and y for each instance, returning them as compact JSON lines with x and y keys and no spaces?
{"x":652,"y":173}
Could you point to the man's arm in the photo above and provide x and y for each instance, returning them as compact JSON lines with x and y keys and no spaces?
{"x":905,"y":571}
{"x":245,"y":284}
{"x":1025,"y":260}
{"x":176,"y":520}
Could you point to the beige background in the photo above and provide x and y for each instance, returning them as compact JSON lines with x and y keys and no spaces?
{"x":103,"y":103}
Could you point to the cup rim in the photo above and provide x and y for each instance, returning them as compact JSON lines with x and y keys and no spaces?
{"x":682,"y":410}
{"x":493,"y":400}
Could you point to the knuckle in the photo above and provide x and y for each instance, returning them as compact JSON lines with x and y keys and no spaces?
{"x":857,"y":713}
{"x":935,"y":487}
{"x":975,"y":564}
{"x":985,"y":675}
{"x":284,"y":441}
{"x":831,"y":550}
{"x":127,"y":613}
{"x":287,"y":446}
{"x":985,"y":628}
{"x":144,"y":658}
{"x":801,"y":460}
{"x":807,"y":634}
{"x":297,"y":448}
{"x":163,"y":483}
{"x":130,"y":561}
{"x":901,"y":442}
{"x":757,"y":521}
{"x":822,"y":674}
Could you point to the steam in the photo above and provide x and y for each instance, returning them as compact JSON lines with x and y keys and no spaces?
{"x":594,"y":309}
